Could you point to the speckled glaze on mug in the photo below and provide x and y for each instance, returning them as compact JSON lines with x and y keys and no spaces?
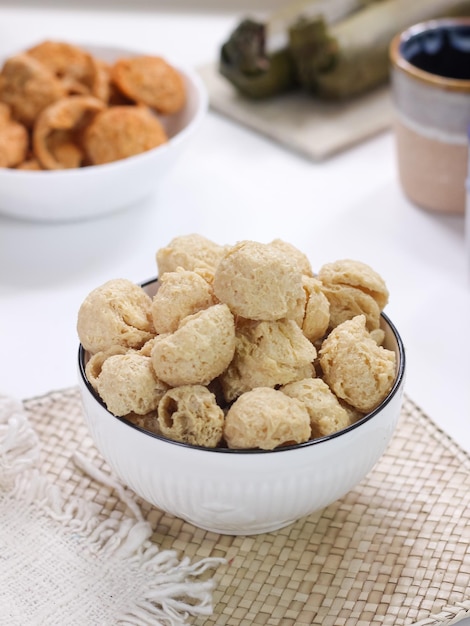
{"x":431,"y":92}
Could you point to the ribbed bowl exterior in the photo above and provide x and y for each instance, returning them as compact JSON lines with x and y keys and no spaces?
{"x":240,"y":493}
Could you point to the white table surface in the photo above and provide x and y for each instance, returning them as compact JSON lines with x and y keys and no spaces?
{"x":232,"y":184}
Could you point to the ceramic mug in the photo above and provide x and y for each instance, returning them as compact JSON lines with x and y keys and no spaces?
{"x":430,"y":74}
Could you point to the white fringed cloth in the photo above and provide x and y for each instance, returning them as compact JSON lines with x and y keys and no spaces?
{"x":63,"y":563}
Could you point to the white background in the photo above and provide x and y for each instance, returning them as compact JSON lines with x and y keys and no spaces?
{"x":232,"y":184}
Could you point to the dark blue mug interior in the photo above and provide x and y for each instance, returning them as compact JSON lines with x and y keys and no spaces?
{"x":443,"y":50}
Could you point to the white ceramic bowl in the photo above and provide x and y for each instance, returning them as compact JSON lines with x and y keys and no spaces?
{"x":243,"y":492}
{"x":83,"y":193}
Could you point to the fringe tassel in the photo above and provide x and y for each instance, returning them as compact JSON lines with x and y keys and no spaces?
{"x":170,"y":593}
{"x":88,"y":468}
{"x":19,"y":445}
{"x":448,"y":615}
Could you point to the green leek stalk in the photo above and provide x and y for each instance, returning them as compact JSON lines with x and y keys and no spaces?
{"x":244,"y":58}
{"x":330,"y":10}
{"x":333,"y":61}
{"x":246,"y":64}
{"x":361,"y":58}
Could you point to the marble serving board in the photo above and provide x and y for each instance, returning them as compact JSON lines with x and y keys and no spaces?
{"x":300,"y":122}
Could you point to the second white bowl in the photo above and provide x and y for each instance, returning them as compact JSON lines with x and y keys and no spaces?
{"x":87,"y":192}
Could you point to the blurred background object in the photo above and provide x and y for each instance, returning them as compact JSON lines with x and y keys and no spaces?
{"x":431,"y":89}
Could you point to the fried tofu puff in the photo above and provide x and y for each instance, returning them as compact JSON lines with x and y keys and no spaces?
{"x":258,"y":281}
{"x":297,"y":256}
{"x":127,"y":384}
{"x":316,"y":318}
{"x":28,"y":87}
{"x":14,"y":140}
{"x":122,"y":131}
{"x":116,"y":313}
{"x":327,"y":416}
{"x":190,"y":252}
{"x":267,"y":354}
{"x":298,"y":311}
{"x":57,"y":127}
{"x":266,"y":418}
{"x":198,"y":351}
{"x":190,"y":414}
{"x":151,"y":81}
{"x":96,"y":360}
{"x":353,"y":288}
{"x":356,"y":369}
{"x":180,"y":294}
{"x":149,"y":421}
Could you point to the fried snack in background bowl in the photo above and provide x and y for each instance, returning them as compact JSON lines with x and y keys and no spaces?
{"x":13,"y":139}
{"x":122,"y":131}
{"x":69,"y":63}
{"x":73,"y":168}
{"x":28,"y":87}
{"x":54,"y":137}
{"x":151,"y":81}
{"x":57,"y":86}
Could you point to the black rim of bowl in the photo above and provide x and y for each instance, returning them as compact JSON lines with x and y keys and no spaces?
{"x":297,"y":446}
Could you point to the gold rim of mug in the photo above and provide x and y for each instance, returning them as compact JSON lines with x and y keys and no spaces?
{"x":400,"y":63}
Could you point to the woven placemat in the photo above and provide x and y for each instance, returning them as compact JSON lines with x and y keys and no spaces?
{"x":394,"y":551}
